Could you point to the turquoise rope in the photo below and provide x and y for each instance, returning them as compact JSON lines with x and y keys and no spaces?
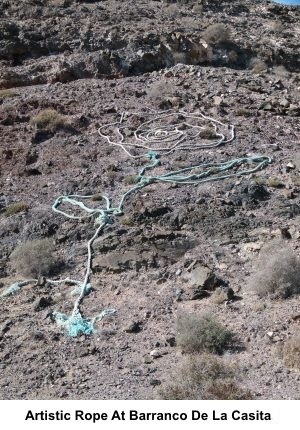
{"x":75,"y":324}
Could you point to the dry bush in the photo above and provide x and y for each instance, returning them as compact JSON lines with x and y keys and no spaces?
{"x":258,"y":66}
{"x":243,"y":112}
{"x":275,"y":183}
{"x":205,"y":377}
{"x":202,"y":333}
{"x":50,"y":120}
{"x":161,"y":90}
{"x":131,"y":179}
{"x":220,"y":296}
{"x":34,"y":258}
{"x":179,"y":57}
{"x":15,"y":208}
{"x":217,"y":33}
{"x":97,"y":197}
{"x":259,"y":180}
{"x":277,"y":271}
{"x":296,"y":160}
{"x":291,"y":352}
{"x":127,"y":221}
{"x":172,"y":11}
{"x":5,"y":94}
{"x":280,"y":71}
{"x":198,"y":9}
{"x":208,"y":133}
{"x":277,"y":26}
{"x":296,"y":179}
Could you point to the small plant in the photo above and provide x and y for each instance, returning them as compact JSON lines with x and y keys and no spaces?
{"x":277,"y":27}
{"x":111,"y":176}
{"x":15,"y":208}
{"x":96,"y":197}
{"x":277,"y":271}
{"x":243,"y":112}
{"x":259,"y":180}
{"x":131,"y":179}
{"x":34,"y":258}
{"x":198,"y":9}
{"x":220,"y":296}
{"x":258,"y":66}
{"x":202,"y":333}
{"x":280,"y":70}
{"x":217,"y":33}
{"x":207,"y":133}
{"x":179,"y":57}
{"x":161,"y":90}
{"x":259,"y":306}
{"x":127,"y":221}
{"x":172,"y":11}
{"x":205,"y":377}
{"x":296,"y":180}
{"x":50,"y":120}
{"x":275,"y":183}
{"x":291,"y":352}
{"x":5,"y":94}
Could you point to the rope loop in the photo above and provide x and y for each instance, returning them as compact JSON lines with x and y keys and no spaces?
{"x":157,"y":138}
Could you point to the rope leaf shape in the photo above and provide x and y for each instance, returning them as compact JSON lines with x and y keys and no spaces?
{"x":154,"y":138}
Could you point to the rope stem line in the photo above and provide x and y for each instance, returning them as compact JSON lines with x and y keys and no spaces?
{"x":158,"y":141}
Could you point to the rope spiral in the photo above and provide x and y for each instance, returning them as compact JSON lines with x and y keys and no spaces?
{"x":152,"y":139}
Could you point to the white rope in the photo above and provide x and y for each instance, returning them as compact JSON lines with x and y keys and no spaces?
{"x":151,"y":138}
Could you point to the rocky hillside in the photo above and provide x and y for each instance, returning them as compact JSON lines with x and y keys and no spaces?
{"x":227,"y":248}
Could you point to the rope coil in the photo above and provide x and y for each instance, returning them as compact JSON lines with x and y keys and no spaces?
{"x":158,"y":142}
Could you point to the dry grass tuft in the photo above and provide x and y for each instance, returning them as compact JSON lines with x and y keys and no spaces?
{"x":291,"y":352}
{"x":34,"y":258}
{"x":131,"y":179}
{"x":5,"y":94}
{"x":277,"y":271}
{"x":50,"y":120}
{"x":161,"y":90}
{"x":258,"y":66}
{"x":217,"y":33}
{"x":220,"y":296}
{"x":15,"y":208}
{"x":275,"y":183}
{"x":205,"y":377}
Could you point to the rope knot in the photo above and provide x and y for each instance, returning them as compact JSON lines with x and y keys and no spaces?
{"x":103,"y":218}
{"x":152,"y":155}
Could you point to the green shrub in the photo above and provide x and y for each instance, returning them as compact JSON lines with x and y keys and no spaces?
{"x":202,"y":333}
{"x":34,"y":258}
{"x":277,"y":271}
{"x":15,"y":208}
{"x":50,"y":120}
